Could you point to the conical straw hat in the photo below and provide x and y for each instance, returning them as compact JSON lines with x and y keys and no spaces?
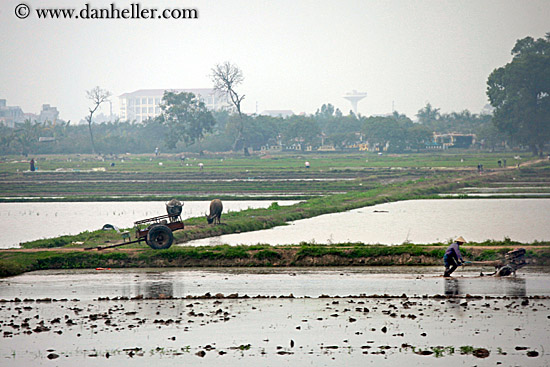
{"x":460,"y":239}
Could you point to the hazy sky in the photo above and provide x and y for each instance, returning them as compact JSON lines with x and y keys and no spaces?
{"x":294,"y":54}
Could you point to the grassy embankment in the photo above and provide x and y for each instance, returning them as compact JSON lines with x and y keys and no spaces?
{"x":349,"y":254}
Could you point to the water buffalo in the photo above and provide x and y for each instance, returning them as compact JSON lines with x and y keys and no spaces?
{"x":215,"y":215}
{"x":174,"y":208}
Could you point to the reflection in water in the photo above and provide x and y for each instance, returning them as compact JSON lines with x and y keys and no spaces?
{"x":159,"y":289}
{"x":452,"y":287}
{"x":509,"y":286}
{"x":156,"y":285}
{"x":515,"y":287}
{"x":88,"y":284}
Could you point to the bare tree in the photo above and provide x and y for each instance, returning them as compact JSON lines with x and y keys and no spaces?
{"x":97,"y":96}
{"x":226,"y":78}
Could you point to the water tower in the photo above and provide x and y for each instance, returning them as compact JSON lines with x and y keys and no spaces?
{"x":354,"y":97}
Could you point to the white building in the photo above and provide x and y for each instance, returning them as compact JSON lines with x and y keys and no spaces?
{"x":145,"y":103}
{"x":277,"y":113}
{"x":10,"y":115}
{"x":48,"y":113}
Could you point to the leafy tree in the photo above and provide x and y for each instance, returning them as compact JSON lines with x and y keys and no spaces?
{"x":263,"y":130}
{"x":186,"y":117}
{"x":490,"y":137}
{"x":226,"y":78}
{"x":221,"y":117}
{"x":301,"y":129}
{"x":428,"y":115}
{"x":346,"y":130}
{"x":25,"y":136}
{"x":97,"y":96}
{"x":6,"y":138}
{"x":417,"y":136}
{"x":397,"y":132}
{"x":235,"y":128}
{"x":520,"y":93}
{"x":401,"y":118}
{"x":463,"y":122}
{"x":385,"y":131}
{"x":327,"y":117}
{"x":340,"y":140}
{"x":326,"y":112}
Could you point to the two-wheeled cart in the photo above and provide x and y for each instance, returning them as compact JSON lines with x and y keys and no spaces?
{"x":157,"y":232}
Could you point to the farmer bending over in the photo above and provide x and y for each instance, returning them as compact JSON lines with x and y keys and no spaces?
{"x":453,"y":257}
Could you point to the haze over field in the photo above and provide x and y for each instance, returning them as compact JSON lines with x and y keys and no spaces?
{"x":294,"y":55}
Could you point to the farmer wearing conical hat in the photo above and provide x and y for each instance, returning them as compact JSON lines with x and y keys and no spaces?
{"x":453,"y":257}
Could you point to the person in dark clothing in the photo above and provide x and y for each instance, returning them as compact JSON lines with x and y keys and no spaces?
{"x":453,"y":258}
{"x":32,"y":165}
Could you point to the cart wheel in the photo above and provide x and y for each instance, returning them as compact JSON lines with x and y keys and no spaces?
{"x":160,"y":237}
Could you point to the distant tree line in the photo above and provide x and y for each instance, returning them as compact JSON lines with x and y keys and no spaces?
{"x":186,"y":125}
{"x":518,"y":91}
{"x":62,"y":137}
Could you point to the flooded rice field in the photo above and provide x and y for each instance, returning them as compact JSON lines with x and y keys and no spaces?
{"x":380,"y":316}
{"x":384,"y":316}
{"x":32,"y":221}
{"x":312,"y":282}
{"x":415,"y":221}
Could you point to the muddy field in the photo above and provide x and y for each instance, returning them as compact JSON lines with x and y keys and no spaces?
{"x":273,"y":328}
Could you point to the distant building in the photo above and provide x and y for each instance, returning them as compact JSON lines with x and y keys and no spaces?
{"x":451,"y":140}
{"x":389,"y":114}
{"x":326,"y":148}
{"x":271,"y":148}
{"x":354,"y":97}
{"x":145,"y":103}
{"x":48,"y":113}
{"x":277,"y":113}
{"x":10,"y":115}
{"x":30,"y":116}
{"x":99,"y":118}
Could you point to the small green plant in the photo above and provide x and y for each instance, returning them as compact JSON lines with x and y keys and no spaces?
{"x":244,"y":347}
{"x":466,"y":349}
{"x":438,"y":351}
